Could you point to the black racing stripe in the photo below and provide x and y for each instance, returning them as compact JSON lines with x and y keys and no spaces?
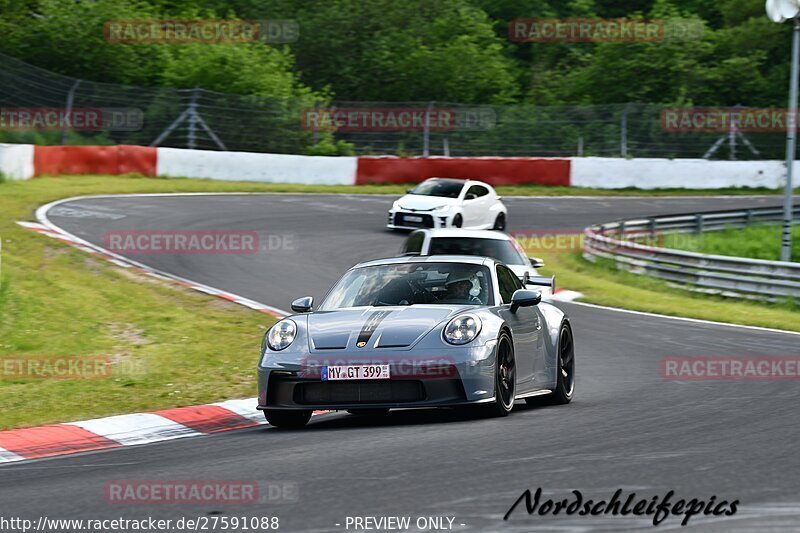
{"x":370,"y":326}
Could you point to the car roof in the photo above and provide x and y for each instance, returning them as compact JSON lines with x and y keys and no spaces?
{"x":462,"y":181}
{"x":465,"y":259}
{"x":466,"y":233}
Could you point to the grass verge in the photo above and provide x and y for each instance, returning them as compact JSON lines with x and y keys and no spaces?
{"x":756,"y":242}
{"x":168,"y":346}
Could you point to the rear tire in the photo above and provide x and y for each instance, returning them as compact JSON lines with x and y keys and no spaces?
{"x":458,"y":221}
{"x":505,"y":382}
{"x":500,"y":222}
{"x":287,"y":419}
{"x":369,"y":412}
{"x":565,"y":373}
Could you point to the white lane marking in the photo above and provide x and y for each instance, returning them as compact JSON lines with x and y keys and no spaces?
{"x":137,"y":428}
{"x":685,"y":319}
{"x":245,"y":408}
{"x":7,"y":456}
{"x":41,"y":215}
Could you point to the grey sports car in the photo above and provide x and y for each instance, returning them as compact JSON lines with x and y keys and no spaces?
{"x":412,"y":332}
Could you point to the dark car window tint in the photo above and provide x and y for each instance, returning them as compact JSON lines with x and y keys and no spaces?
{"x":411,"y":284}
{"x":501,"y":250}
{"x":478,"y":190}
{"x":507,"y":283}
{"x":414,"y":242}
{"x":444,"y":188}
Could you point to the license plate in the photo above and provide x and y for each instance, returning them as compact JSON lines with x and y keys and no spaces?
{"x":337,"y":373}
{"x":412,"y":218}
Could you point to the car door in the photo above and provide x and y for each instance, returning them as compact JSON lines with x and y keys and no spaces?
{"x":526,"y":332}
{"x":476,"y":206}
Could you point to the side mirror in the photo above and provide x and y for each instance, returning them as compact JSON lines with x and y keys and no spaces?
{"x":524,"y":298}
{"x":470,"y":196}
{"x":303,"y":305}
{"x":536,"y":262}
{"x":409,"y":191}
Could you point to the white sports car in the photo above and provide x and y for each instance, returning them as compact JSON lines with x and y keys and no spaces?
{"x":482,"y":243}
{"x":449,"y":203}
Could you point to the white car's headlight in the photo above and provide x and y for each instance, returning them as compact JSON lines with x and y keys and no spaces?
{"x":462,"y":329}
{"x":281,"y":335}
{"x":441,"y":208}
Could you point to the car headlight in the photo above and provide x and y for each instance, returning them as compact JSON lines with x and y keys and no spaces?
{"x":441,"y":208}
{"x":462,"y":329}
{"x":281,"y":335}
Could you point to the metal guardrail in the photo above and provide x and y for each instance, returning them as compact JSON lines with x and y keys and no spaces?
{"x":742,"y":277}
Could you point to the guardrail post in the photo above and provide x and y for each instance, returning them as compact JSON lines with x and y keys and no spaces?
{"x":622,"y":229}
{"x":749,"y":218}
{"x":699,"y":221}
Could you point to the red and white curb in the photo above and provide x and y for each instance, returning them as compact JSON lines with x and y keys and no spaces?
{"x":128,"y":430}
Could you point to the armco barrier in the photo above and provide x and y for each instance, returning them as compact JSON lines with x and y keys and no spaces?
{"x":718,"y":274}
{"x":493,"y":170}
{"x":118,"y":159}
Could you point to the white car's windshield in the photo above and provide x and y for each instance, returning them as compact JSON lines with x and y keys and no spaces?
{"x":409,"y":284}
{"x":436,"y":187}
{"x":502,"y":250}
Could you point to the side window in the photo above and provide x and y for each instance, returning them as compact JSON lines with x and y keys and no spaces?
{"x":475,"y":192}
{"x":480,"y":190}
{"x":414,"y":242}
{"x":507,"y":283}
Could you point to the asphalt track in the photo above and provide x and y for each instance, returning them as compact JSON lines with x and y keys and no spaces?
{"x":627,"y":428}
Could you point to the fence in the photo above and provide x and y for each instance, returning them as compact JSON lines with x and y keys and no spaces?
{"x":197,"y":118}
{"x":726,"y":275}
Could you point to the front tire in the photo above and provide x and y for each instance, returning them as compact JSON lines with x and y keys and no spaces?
{"x":505,"y":387}
{"x":458,"y":221}
{"x":500,"y":222}
{"x":287,"y":419}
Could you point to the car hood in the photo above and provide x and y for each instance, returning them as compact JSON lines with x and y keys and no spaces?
{"x":418,"y":202}
{"x":376,"y":327}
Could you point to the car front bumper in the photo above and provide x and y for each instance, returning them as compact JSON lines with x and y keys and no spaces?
{"x":400,"y":219}
{"x":443,"y":378}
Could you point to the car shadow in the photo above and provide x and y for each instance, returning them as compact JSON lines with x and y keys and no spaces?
{"x":341,"y":420}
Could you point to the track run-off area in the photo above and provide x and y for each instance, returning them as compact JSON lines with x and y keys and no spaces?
{"x":628,"y":428}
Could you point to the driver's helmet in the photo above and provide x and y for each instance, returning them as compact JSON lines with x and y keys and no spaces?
{"x":462,"y":276}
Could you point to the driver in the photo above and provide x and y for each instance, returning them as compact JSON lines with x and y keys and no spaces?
{"x":461,"y":288}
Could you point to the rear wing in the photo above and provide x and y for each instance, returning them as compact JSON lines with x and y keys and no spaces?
{"x":540,"y":281}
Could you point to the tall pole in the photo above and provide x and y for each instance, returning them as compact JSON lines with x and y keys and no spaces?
{"x":791,"y":133}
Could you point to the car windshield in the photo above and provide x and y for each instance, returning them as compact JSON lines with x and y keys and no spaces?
{"x":444,"y":188}
{"x":502,"y":250}
{"x":411,"y":283}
